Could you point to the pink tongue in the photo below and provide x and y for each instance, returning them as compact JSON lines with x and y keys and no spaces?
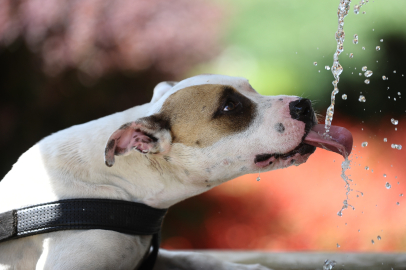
{"x":340,"y":142}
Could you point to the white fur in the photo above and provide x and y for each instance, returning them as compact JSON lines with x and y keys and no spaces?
{"x":70,"y":164}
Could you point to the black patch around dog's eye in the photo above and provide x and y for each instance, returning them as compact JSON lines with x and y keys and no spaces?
{"x":229,"y":102}
{"x":234,"y":110}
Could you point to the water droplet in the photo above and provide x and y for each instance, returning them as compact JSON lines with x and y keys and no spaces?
{"x":344,"y":97}
{"x":379,"y":237}
{"x":360,"y":74}
{"x":384,"y":78}
{"x":363,"y":48}
{"x":401,"y":194}
{"x":384,"y":175}
{"x":385,"y":139}
{"x":364,"y":144}
{"x":315,"y":63}
{"x":364,"y":68}
{"x":327,"y":67}
{"x":378,"y":48}
{"x":394,"y":122}
{"x":366,"y":168}
{"x":336,"y":69}
{"x":355,"y":41}
{"x":399,"y":93}
{"x":387,"y":185}
{"x":368,"y":73}
{"x":373,"y":242}
{"x":359,"y":230}
{"x":338,"y":245}
{"x":397,"y":203}
{"x":364,"y":13}
{"x":351,"y":55}
{"x":396,"y":146}
{"x":362,"y":98}
{"x":258,"y":178}
{"x":329,"y":264}
{"x":366,"y":81}
{"x":381,"y":40}
{"x":356,"y":9}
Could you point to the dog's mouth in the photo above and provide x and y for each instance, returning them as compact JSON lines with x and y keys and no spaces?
{"x":338,"y":140}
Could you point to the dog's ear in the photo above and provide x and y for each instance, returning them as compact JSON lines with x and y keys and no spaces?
{"x":160,"y":89}
{"x":148,"y":135}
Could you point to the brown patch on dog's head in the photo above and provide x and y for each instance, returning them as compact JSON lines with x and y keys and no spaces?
{"x":203,"y":114}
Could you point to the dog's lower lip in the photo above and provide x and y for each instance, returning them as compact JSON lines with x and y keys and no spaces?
{"x":301,"y":149}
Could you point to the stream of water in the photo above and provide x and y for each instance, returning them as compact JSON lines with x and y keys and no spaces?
{"x":337,"y":69}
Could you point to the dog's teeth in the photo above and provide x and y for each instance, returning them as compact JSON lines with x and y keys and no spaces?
{"x":145,"y":151}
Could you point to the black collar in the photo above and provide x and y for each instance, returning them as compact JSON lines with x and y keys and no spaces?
{"x":84,"y":214}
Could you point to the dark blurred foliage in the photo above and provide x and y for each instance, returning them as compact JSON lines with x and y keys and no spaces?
{"x":68,"y":62}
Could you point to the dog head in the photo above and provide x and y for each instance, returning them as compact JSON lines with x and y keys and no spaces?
{"x":218,"y":127}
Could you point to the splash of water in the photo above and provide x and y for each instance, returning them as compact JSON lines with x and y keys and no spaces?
{"x":337,"y":69}
{"x":344,"y":167}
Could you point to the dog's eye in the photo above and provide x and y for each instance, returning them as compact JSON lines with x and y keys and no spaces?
{"x":229,"y":106}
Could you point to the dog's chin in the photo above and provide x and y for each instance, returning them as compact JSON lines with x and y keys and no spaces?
{"x":296,"y":157}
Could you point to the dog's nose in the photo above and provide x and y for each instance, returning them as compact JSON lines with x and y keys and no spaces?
{"x":301,"y":110}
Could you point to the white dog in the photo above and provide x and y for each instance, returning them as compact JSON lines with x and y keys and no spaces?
{"x":191,"y":137}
